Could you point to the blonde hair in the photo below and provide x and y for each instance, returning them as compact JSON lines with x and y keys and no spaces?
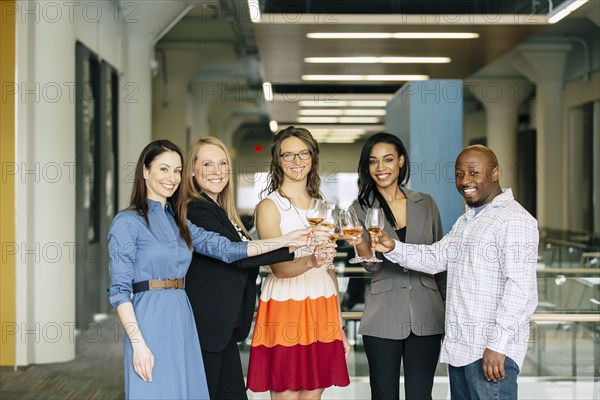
{"x":192,"y":191}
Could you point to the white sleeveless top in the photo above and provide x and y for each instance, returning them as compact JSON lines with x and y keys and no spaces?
{"x":315,"y":282}
{"x":292,"y":218}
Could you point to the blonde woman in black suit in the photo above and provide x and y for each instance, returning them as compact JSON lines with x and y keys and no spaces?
{"x":403,"y":319}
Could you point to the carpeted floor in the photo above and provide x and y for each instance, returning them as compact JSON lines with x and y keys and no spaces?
{"x":96,"y":373}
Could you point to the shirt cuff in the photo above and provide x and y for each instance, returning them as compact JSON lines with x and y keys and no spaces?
{"x":498,"y":341}
{"x":120,"y":298}
{"x":395,"y":255}
{"x":242,"y":251}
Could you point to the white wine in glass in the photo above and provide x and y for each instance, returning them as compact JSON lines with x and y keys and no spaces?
{"x":374,"y":221}
{"x":350,"y":227}
{"x":316,"y":212}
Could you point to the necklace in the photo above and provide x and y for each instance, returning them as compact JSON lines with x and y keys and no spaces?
{"x":239,"y":231}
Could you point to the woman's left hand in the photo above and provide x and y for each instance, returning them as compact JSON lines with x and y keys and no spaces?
{"x":324,"y":254}
{"x":347,"y":347}
{"x":321,"y":234}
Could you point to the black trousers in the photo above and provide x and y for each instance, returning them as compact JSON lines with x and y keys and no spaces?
{"x":224,"y":373}
{"x":420,"y":355}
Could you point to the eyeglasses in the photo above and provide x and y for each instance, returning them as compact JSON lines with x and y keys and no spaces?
{"x":289,"y":157}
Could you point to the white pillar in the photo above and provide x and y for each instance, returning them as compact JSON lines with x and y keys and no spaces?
{"x":501,"y":99}
{"x":544,"y":65}
{"x":46,"y":333}
{"x":204,"y":96}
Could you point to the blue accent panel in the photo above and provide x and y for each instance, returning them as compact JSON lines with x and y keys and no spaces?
{"x":428,"y":117}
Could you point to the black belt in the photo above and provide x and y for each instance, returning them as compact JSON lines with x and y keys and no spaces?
{"x":155,"y":284}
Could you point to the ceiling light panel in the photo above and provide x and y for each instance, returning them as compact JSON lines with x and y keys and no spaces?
{"x":336,"y":132}
{"x":322,"y":112}
{"x":342,"y":103}
{"x":337,"y":140}
{"x":377,"y":60}
{"x":268,"y":91}
{"x":356,"y":111}
{"x":397,"y":35}
{"x":337,"y":112}
{"x":317,"y":120}
{"x":370,"y":78}
{"x":564,"y":9}
{"x":254,"y":11}
{"x":338,"y":120}
{"x":358,"y":120}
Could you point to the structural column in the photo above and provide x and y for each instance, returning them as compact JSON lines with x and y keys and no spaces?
{"x":7,"y":185}
{"x":544,"y":65}
{"x":501,"y":99}
{"x":203,"y":101}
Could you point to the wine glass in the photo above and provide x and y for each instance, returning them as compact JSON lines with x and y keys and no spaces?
{"x":316,"y":212}
{"x":350,"y":226}
{"x":374,"y":221}
{"x":331,"y":221}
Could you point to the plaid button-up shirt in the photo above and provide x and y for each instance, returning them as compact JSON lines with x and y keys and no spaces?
{"x":491,"y":258}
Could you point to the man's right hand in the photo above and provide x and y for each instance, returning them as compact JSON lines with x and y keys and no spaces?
{"x":383,"y":243}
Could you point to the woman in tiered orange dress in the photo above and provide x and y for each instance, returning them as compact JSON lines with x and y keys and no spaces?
{"x":298,"y":346}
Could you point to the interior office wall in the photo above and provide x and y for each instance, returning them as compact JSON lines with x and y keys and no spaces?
{"x":227,"y":117}
{"x":176,"y":85}
{"x":576,"y":94}
{"x":584,"y":30}
{"x":45,"y":143}
{"x":474,"y":126}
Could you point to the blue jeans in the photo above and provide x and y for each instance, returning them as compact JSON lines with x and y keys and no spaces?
{"x":468,"y":382}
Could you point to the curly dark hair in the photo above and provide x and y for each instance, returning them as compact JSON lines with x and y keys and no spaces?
{"x":313,"y":181}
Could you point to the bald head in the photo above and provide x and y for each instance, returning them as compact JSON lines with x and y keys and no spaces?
{"x":477,"y":175}
{"x":484,"y":153}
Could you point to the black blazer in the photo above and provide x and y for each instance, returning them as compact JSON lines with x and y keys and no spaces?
{"x":223,"y":295}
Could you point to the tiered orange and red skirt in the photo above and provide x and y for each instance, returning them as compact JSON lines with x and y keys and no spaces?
{"x":297,"y":341}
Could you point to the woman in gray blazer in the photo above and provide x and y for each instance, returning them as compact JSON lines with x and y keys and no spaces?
{"x":403,"y":319}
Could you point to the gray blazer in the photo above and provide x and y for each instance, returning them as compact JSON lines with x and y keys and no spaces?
{"x":402,"y":301}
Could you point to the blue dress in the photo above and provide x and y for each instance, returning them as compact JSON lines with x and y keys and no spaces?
{"x":139,"y":252}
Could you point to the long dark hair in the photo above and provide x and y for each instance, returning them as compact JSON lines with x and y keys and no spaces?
{"x":139,"y":192}
{"x":313,"y":182}
{"x":367,"y":189}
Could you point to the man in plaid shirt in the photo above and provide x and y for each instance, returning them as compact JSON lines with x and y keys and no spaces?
{"x":490,"y":255}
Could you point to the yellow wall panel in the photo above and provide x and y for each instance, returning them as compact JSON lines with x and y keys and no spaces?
{"x":7,"y":184}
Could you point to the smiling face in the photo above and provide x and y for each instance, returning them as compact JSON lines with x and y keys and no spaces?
{"x":385,"y":165}
{"x":211,"y":170}
{"x":477,"y":176}
{"x":163,"y":176}
{"x":297,"y":169}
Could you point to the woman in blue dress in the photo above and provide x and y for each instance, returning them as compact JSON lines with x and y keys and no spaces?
{"x":150,"y":247}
